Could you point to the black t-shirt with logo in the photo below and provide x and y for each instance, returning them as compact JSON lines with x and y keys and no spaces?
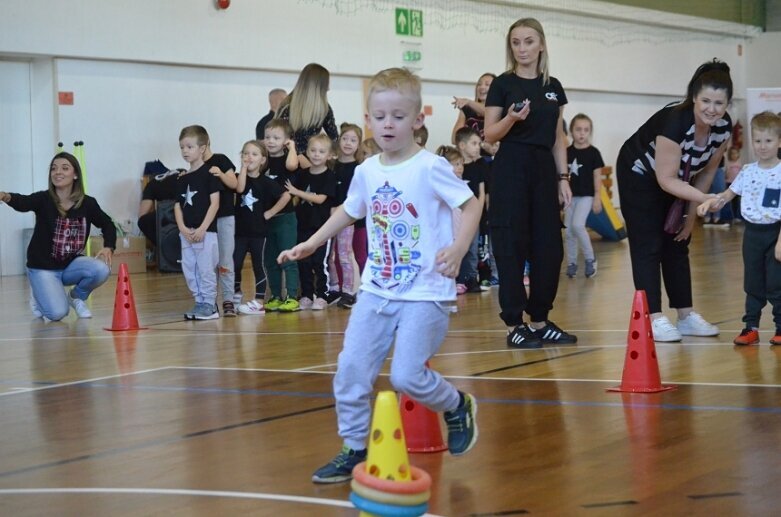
{"x":193,"y":193}
{"x":541,"y":125}
{"x":581,"y":164}
{"x":223,"y":163}
{"x":278,"y":172}
{"x":311,"y":216}
{"x":259,"y":195}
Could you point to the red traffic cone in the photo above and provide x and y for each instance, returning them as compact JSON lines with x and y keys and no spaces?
{"x":421,"y":427}
{"x":125,"y":317}
{"x":641,"y":369}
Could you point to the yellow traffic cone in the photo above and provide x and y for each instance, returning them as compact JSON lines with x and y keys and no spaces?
{"x":387,"y":457}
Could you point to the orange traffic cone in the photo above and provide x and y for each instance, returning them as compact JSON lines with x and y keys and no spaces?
{"x":125,"y":317}
{"x":421,"y":426}
{"x":641,"y":369}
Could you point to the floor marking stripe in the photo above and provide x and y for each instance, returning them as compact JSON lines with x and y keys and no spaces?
{"x":73,"y":383}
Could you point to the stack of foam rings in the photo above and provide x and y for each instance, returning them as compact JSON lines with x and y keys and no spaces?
{"x":391,"y":498}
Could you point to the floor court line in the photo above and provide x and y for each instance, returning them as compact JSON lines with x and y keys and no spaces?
{"x":73,"y":383}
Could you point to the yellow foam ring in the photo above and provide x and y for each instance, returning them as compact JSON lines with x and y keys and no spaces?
{"x":387,"y":457}
{"x":379,"y":496}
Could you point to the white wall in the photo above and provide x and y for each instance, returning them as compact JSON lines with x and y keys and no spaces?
{"x":762,"y":69}
{"x":141,"y":70}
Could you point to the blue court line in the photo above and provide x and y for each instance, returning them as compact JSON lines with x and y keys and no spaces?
{"x":509,"y":402}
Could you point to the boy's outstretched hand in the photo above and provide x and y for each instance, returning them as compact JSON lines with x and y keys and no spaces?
{"x":297,"y":252}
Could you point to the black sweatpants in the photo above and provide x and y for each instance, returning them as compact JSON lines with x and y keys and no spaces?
{"x":761,"y":272}
{"x":525,"y":225}
{"x":655,"y":254}
{"x":313,"y":270}
{"x":254,"y":246}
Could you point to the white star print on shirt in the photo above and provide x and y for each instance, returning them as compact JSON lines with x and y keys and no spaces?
{"x":574,"y":166}
{"x":188,"y":196}
{"x":249,"y":200}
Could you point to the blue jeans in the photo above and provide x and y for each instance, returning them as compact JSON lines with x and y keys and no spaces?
{"x":85,"y":273}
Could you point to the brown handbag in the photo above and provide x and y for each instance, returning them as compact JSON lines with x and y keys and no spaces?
{"x":676,"y":214}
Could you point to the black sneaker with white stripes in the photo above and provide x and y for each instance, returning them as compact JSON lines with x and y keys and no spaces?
{"x":522,"y":337}
{"x":553,"y":335}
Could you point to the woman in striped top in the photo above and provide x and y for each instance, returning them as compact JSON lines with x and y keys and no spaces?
{"x":674,"y":155}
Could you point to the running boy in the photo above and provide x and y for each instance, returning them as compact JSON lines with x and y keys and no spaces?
{"x":407,"y":195}
{"x":198,"y":199}
{"x":759,"y":184}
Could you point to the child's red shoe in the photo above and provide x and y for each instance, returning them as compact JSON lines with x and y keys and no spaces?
{"x":776,"y":340}
{"x":751,"y":337}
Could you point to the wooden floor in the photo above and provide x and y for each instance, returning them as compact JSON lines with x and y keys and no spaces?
{"x":231,"y":416}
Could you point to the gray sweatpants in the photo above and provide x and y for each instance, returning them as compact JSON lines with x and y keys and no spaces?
{"x":199,"y":263}
{"x":226,"y":242}
{"x":419,"y":329}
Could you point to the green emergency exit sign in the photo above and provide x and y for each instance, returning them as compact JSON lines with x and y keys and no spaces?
{"x":409,"y":22}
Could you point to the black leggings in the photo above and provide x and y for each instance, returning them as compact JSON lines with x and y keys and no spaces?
{"x":253,"y":245}
{"x":526,"y":225}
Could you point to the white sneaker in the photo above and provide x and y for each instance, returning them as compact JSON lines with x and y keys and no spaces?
{"x":664,"y":331}
{"x":34,"y":307}
{"x":319,"y":304}
{"x":305,"y":303}
{"x":80,"y":306}
{"x":252,"y":307}
{"x":695,"y":325}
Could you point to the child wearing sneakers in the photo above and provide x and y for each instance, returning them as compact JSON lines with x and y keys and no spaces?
{"x":759,"y":184}
{"x":283,"y":227}
{"x":315,"y":188}
{"x":474,"y":172}
{"x":407,"y":195}
{"x":260,"y":198}
{"x":585,"y":171}
{"x":198,"y":200}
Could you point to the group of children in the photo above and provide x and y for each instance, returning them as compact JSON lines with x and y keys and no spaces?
{"x":268,"y":206}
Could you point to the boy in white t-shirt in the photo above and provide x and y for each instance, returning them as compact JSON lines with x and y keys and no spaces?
{"x":759,"y":185}
{"x":407,"y":195}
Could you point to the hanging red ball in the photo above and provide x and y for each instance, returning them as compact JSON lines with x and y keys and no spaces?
{"x":223,"y":4}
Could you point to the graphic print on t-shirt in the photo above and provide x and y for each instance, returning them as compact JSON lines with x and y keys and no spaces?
{"x":394,"y":261}
{"x":69,"y":238}
{"x":574,"y":167}
{"x":189,"y":195}
{"x":248,"y":200}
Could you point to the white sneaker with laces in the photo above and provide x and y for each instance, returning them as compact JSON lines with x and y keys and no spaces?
{"x":664,"y":331}
{"x":80,"y":306}
{"x":252,"y":307}
{"x":695,"y":325}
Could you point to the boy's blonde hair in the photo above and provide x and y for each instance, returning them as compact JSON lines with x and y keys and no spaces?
{"x":279,"y":123}
{"x":260,"y":145}
{"x":766,"y":121}
{"x":543,"y":61}
{"x":197,"y":132}
{"x":323,"y":139}
{"x":397,"y":79}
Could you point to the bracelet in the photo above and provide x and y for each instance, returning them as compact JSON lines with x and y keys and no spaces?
{"x":564,"y":177}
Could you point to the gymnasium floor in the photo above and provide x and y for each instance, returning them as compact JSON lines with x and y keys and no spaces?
{"x":231,"y":416}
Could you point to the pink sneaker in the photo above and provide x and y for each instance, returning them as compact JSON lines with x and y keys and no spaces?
{"x":305,"y":303}
{"x":319,"y":304}
{"x":460,"y":288}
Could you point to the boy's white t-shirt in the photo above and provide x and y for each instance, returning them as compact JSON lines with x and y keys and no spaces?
{"x":408,"y":210}
{"x":760,"y":191}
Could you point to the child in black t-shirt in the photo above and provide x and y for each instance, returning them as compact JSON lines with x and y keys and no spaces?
{"x":316,"y":188}
{"x":282,"y":228}
{"x":198,"y":199}
{"x":259,"y":199}
{"x":468,"y":143}
{"x":585,"y":169}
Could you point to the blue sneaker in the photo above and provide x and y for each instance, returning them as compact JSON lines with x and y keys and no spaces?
{"x":339,"y":469}
{"x":462,"y":426}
